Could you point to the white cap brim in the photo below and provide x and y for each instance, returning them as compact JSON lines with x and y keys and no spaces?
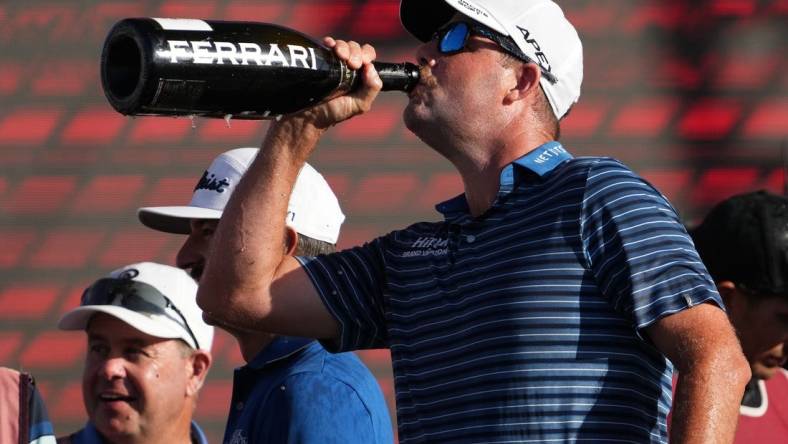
{"x":158,"y":327}
{"x":174,"y":220}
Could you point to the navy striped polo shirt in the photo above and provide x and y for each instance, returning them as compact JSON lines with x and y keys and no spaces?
{"x":525,"y":324}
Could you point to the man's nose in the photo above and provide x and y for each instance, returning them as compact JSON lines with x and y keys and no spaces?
{"x":112,"y":368}
{"x":427,"y":52}
{"x":188,"y":255}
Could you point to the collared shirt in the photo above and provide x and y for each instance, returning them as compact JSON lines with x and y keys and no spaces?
{"x":767,"y":420}
{"x":294,"y":391}
{"x":525,"y":323}
{"x":89,"y":435}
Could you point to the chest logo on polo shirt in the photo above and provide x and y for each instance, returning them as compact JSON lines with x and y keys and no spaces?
{"x":239,"y":437}
{"x":428,"y":246}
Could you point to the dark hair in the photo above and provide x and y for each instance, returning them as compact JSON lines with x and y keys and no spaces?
{"x":308,"y":246}
{"x":744,"y":239}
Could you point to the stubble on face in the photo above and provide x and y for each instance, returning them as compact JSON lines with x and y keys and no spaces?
{"x":762,"y":326}
{"x":133,"y":384}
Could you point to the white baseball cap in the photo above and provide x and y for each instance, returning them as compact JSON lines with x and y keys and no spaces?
{"x":313,"y":209}
{"x":538,"y":27}
{"x":158,"y":300}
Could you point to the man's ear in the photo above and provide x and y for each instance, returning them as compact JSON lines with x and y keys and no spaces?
{"x":731,"y":296}
{"x":291,"y":241}
{"x":526,"y":85}
{"x":200,"y":362}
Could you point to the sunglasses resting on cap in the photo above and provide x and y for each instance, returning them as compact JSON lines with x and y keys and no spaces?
{"x":453,"y":37}
{"x":136,"y":296}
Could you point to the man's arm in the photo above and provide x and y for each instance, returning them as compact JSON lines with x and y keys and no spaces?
{"x":248,"y":281}
{"x":712,"y":373}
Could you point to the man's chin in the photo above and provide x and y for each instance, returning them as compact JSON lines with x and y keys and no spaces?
{"x":233,"y":330}
{"x":117,"y":429}
{"x":210,"y":320}
{"x":415,"y":118}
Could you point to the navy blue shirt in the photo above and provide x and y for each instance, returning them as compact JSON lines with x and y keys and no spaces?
{"x":294,"y":391}
{"x":525,"y":323}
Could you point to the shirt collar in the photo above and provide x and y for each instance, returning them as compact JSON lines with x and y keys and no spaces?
{"x":280,"y":348}
{"x":540,"y":161}
{"x":198,"y":437}
{"x":543,"y":159}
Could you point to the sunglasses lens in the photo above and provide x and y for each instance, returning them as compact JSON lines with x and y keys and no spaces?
{"x":135,"y":296}
{"x":455,"y":37}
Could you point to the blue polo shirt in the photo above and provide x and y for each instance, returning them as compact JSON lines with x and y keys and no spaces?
{"x":525,"y":324}
{"x":89,"y":435}
{"x":294,"y":391}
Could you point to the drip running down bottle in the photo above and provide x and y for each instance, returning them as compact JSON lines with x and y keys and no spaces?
{"x":247,"y":70}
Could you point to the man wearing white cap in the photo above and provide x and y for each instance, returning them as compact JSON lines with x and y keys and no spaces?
{"x":553,"y":300}
{"x":147,"y":357}
{"x":291,"y":390}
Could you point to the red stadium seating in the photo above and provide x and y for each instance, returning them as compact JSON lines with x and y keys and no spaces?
{"x":15,"y":243}
{"x":68,"y":404}
{"x":132,"y":245}
{"x":720,"y":183}
{"x":95,"y":125}
{"x":64,"y":78}
{"x":269,"y":12}
{"x":67,"y":248}
{"x":28,"y":126}
{"x":318,"y":18}
{"x":27,"y":301}
{"x":10,"y":78}
{"x":109,"y":194}
{"x":41,"y":195}
{"x":189,"y":8}
{"x":9,"y":344}
{"x":710,"y":119}
{"x":53,"y":350}
{"x":383,"y":192}
{"x":647,"y":117}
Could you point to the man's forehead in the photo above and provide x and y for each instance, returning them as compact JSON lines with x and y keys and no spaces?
{"x":109,"y":328}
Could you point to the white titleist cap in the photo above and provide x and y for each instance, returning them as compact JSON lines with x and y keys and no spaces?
{"x":313,"y":209}
{"x":155,"y":299}
{"x":539,"y":28}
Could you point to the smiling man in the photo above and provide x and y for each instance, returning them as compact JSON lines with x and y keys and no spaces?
{"x":147,"y":357}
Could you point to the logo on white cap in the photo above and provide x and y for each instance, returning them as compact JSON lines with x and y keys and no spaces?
{"x":313,"y":209}
{"x":208,"y":181}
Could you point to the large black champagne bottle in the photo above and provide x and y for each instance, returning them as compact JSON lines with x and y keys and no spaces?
{"x":245,"y":70}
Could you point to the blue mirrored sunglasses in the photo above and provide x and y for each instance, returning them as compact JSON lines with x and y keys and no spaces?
{"x":453,"y":37}
{"x":135,"y":296}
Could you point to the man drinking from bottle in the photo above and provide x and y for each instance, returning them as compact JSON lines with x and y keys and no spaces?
{"x":552,"y":301}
